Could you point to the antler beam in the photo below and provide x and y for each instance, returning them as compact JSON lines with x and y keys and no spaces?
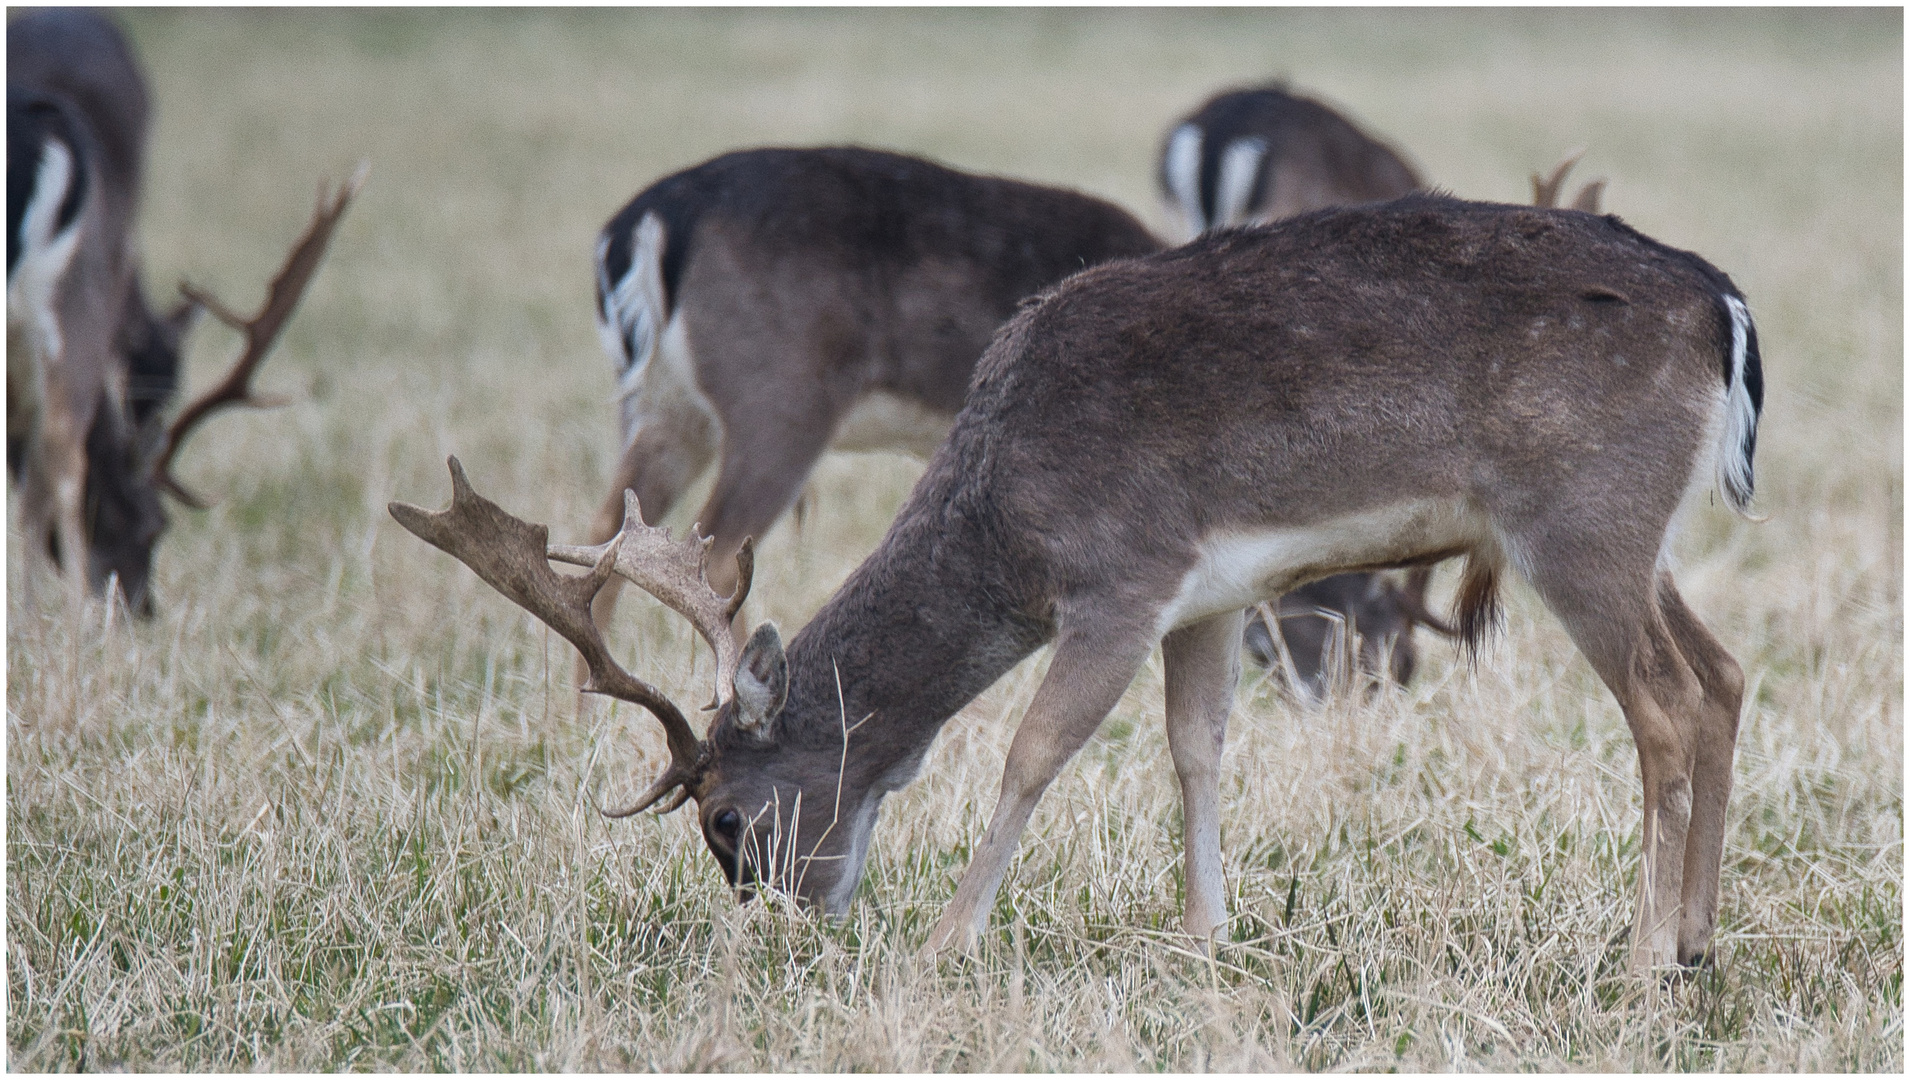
{"x":511,"y":556}
{"x":261,"y":331}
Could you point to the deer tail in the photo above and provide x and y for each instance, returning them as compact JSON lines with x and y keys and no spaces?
{"x":1743,"y":403}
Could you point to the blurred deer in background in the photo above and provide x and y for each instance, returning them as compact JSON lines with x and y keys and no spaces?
{"x":90,"y":368}
{"x":768,"y":305}
{"x":1263,"y":154}
{"x":1159,"y":443}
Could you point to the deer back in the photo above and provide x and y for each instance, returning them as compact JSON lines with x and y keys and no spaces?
{"x":914,"y":264}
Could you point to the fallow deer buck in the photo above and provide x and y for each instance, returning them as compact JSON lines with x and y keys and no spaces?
{"x":1160,"y":442}
{"x":1262,"y":154}
{"x":89,"y":367}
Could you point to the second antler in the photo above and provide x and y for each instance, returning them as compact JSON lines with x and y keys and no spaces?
{"x":513,"y":557}
{"x":260,"y":331}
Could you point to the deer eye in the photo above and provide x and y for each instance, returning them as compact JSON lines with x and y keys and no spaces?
{"x":727,"y":822}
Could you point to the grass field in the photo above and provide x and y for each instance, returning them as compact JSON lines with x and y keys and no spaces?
{"x":332,"y":808}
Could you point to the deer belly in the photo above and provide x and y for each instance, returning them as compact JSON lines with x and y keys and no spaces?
{"x":1237,"y":568}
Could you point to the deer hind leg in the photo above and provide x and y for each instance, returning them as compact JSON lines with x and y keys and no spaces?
{"x":1089,"y":672}
{"x":761,"y":471}
{"x":1619,"y":625}
{"x":1203,"y":668}
{"x":667,"y":450}
{"x":1715,"y":747}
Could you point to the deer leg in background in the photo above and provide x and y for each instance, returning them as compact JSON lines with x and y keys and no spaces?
{"x":1090,"y":670}
{"x":665,"y":455}
{"x":1203,"y":667}
{"x":1615,"y":620}
{"x":71,"y":393}
{"x":54,"y":491}
{"x":755,"y":484}
{"x":1716,"y":746}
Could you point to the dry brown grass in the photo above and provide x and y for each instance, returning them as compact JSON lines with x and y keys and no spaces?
{"x":330,"y":809}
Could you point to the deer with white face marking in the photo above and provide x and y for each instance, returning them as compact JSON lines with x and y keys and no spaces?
{"x":90,"y":368}
{"x":1159,"y":443}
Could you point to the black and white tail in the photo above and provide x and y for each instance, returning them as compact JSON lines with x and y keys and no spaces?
{"x":1212,"y":186}
{"x":46,"y":189}
{"x":1743,"y":402}
{"x":631,"y":305}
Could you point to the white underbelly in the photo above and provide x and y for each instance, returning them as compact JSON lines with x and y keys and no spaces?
{"x":1238,"y":568}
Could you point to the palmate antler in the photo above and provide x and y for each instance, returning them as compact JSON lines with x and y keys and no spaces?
{"x":260,"y":331}
{"x":513,"y":557}
{"x":677,"y":573}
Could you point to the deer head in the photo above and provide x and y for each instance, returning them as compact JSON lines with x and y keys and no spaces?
{"x":514,"y":556}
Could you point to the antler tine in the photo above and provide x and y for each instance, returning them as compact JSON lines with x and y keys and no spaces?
{"x":1589,"y":196}
{"x":1545,"y":189}
{"x":260,"y":331}
{"x":676,"y":572}
{"x":509,"y":554}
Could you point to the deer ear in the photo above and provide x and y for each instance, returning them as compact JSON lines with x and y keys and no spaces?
{"x":762,"y":679}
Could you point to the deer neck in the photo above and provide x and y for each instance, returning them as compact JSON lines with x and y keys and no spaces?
{"x":919,"y":630}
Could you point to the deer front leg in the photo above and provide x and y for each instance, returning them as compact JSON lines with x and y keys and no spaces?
{"x":1085,"y":680}
{"x":1203,"y":667}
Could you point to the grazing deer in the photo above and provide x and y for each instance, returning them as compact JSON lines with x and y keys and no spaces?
{"x":769,"y":304}
{"x":89,"y":366}
{"x":1259,"y":155}
{"x":1263,"y":154}
{"x":1334,"y":629}
{"x":1160,"y":442}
